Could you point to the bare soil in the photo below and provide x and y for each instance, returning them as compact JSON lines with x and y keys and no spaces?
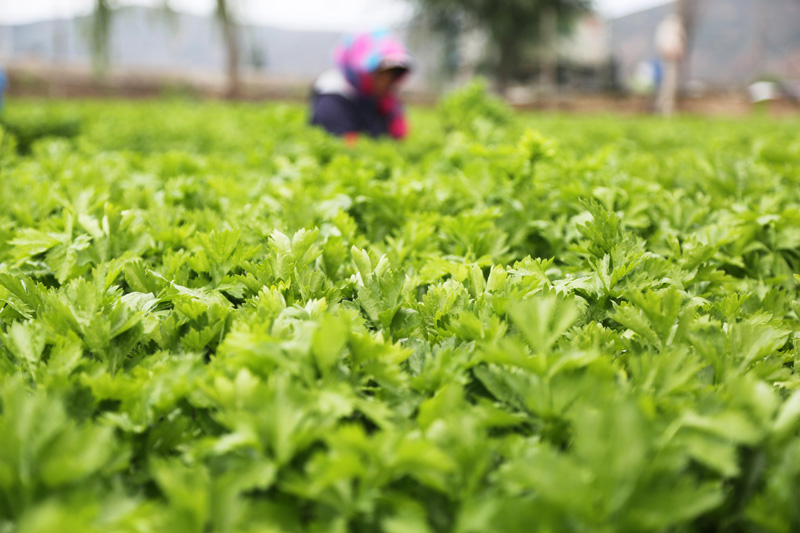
{"x":37,"y":80}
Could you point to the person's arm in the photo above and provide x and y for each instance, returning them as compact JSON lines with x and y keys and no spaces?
{"x":336,"y":114}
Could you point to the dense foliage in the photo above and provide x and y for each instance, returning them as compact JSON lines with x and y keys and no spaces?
{"x":215,"y":318}
{"x":511,"y":27}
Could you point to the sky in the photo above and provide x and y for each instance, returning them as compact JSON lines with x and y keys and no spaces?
{"x":344,"y":15}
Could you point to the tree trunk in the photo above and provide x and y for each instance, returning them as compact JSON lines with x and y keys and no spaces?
{"x":549,"y":32}
{"x":230,"y":35}
{"x":101,"y":38}
{"x":59,"y":48}
{"x":507,"y":63}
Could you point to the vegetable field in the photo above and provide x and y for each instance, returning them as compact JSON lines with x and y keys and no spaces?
{"x":214,"y":318}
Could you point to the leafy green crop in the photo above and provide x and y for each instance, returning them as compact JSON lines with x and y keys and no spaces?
{"x":215,"y":318}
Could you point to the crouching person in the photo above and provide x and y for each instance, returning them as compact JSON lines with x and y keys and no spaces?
{"x":359,"y":97}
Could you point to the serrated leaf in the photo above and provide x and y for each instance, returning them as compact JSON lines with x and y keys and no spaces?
{"x":543,"y":319}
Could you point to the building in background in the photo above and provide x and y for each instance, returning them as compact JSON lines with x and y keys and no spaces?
{"x":585,"y":57}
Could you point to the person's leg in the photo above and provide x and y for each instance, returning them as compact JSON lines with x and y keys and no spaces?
{"x":669,"y":89}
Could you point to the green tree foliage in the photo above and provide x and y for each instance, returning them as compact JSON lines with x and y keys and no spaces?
{"x":511,"y":25}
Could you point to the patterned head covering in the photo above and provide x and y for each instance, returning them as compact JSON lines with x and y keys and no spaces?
{"x":360,"y":56}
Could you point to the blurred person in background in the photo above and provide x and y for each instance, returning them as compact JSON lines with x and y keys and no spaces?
{"x":670,"y":41}
{"x":359,"y":97}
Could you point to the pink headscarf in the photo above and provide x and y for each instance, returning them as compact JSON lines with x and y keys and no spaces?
{"x":360,"y":56}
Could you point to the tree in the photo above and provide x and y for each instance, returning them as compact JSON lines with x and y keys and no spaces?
{"x":100,"y":35}
{"x":230,"y":35}
{"x":101,"y":28}
{"x":511,"y":25}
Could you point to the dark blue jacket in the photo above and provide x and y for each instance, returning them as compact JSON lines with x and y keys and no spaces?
{"x":337,"y":107}
{"x":3,"y":83}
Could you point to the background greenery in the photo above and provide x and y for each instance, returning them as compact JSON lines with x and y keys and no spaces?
{"x":215,"y":318}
